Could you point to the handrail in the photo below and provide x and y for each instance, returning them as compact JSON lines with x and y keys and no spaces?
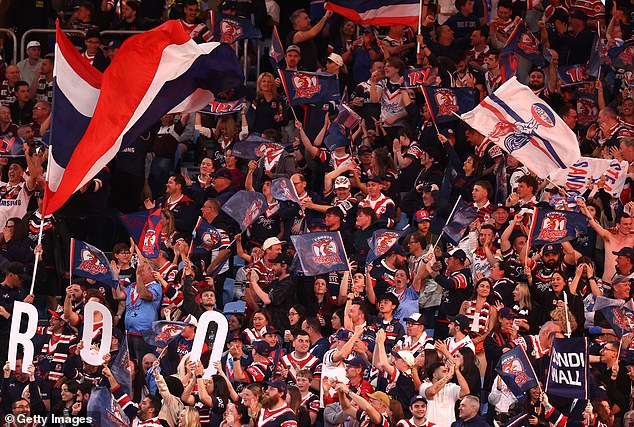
{"x":42,"y":31}
{"x":121,"y":32}
{"x":15,"y":43}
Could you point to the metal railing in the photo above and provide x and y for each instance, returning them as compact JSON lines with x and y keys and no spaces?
{"x":26,"y":34}
{"x":12,"y":35}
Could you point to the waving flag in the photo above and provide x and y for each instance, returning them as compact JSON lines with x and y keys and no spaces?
{"x":120,"y":367}
{"x":220,"y":107}
{"x":11,"y":146}
{"x":382,"y":241}
{"x":524,"y":43}
{"x":416,"y":77}
{"x":508,"y":65}
{"x":320,"y":253}
{"x":104,"y":410}
{"x":618,"y":313}
{"x":377,"y":12}
{"x":283,"y":189}
{"x":462,"y":217}
{"x":276,"y":51}
{"x":598,"y":56}
{"x":245,"y":207}
{"x":622,"y":57}
{"x":88,"y":261}
{"x":568,"y":370}
{"x":176,"y":75}
{"x":575,"y":178}
{"x":347,"y":117}
{"x":205,"y":237}
{"x":254,"y":147}
{"x":145,"y":229}
{"x":445,"y":103}
{"x":230,"y":29}
{"x":572,"y":75}
{"x":587,"y":109}
{"x":305,"y":87}
{"x":516,"y":371}
{"x":551,"y":226}
{"x":518,"y":121}
{"x":163,"y":332}
{"x":336,"y":136}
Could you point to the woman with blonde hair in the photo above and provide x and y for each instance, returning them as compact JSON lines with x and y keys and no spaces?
{"x":523,"y":307}
{"x":189,"y":417}
{"x":266,"y":106}
{"x":251,"y":397}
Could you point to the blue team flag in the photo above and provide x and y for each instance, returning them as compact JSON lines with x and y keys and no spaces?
{"x":145,"y":229}
{"x":205,"y":237}
{"x":462,"y":217}
{"x":230,"y":29}
{"x":416,"y":77}
{"x":618,"y":313}
{"x":516,"y":371}
{"x":245,"y":207}
{"x":305,"y":87}
{"x":276,"y":51}
{"x":336,"y":136}
{"x":508,"y":65}
{"x":622,"y":57}
{"x":524,"y":43}
{"x":553,"y":226}
{"x":120,"y":367}
{"x":254,"y":147}
{"x":568,"y":370}
{"x":573,"y":75}
{"x":587,"y":109}
{"x":382,"y":241}
{"x":283,"y":189}
{"x":321,"y":252}
{"x":11,"y":146}
{"x":163,"y":332}
{"x":598,"y":56}
{"x":445,"y":103}
{"x":221,"y":107}
{"x":88,"y":261}
{"x":104,"y":410}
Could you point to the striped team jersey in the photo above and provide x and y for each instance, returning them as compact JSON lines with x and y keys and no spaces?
{"x":171,"y":293}
{"x":292,"y":362}
{"x":412,"y":423}
{"x":383,"y":206}
{"x":7,"y":93}
{"x":417,"y":348}
{"x":593,"y":8}
{"x":365,"y":420}
{"x":311,"y":402}
{"x":55,"y":351}
{"x":198,"y":31}
{"x":44,"y":89}
{"x":280,"y":417}
{"x":14,"y":200}
{"x":391,"y":101}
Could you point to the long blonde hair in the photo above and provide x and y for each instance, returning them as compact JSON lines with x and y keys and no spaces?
{"x":273,"y":85}
{"x":191,"y":417}
{"x":525,"y":295}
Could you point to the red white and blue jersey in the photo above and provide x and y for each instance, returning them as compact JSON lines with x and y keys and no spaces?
{"x":280,"y":417}
{"x":311,"y":402}
{"x":411,"y":423}
{"x":365,"y":420}
{"x":292,"y":362}
{"x":383,"y":206}
{"x":256,"y":372}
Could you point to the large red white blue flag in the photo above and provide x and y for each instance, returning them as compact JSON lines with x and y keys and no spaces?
{"x":377,"y":12}
{"x":160,"y":71}
{"x":522,"y":124}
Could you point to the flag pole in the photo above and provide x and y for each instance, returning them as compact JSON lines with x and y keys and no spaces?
{"x":39,"y":236}
{"x":70,"y":264}
{"x":568,"y":331}
{"x":431,"y":113}
{"x":599,"y":47}
{"x":446,"y":222}
{"x":420,"y":21}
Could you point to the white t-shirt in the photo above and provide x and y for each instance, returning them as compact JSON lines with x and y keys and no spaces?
{"x":441,"y":407}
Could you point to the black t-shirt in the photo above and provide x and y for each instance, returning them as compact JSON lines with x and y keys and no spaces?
{"x":310,"y":57}
{"x":8,"y":296}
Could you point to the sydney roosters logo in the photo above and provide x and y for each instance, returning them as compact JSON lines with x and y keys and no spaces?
{"x":553,"y":227}
{"x":252,"y":213}
{"x":447,"y":102}
{"x":306,"y":86}
{"x":325,"y":251}
{"x":90,"y":263}
{"x":385,"y":242}
{"x":230,"y":31}
{"x":167,"y":332}
{"x":149,"y":241}
{"x":209,"y":239}
{"x":515,"y":367}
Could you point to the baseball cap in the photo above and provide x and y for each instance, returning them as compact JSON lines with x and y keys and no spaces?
{"x":33,"y":44}
{"x":507,"y":313}
{"x":626,"y":252}
{"x":560,"y":15}
{"x":227,"y":5}
{"x":269,"y":330}
{"x":191,"y":320}
{"x":458,"y":254}
{"x":58,"y":313}
{"x":405,"y":355}
{"x":295,"y":48}
{"x":356,"y":361}
{"x":619,"y":279}
{"x":396,"y":250}
{"x":336,"y":58}
{"x":415,"y":318}
{"x":552,"y":248}
{"x":501,"y":206}
{"x":279,"y":385}
{"x":344,"y":335}
{"x":270,"y":242}
{"x":417,"y":398}
{"x":364,"y":149}
{"x":222,"y":173}
{"x":113,"y":44}
{"x":460,"y":320}
{"x":236,"y":336}
{"x":262,"y":348}
{"x":282,"y":258}
{"x":376,"y":178}
{"x":381,"y":397}
{"x":422,"y":215}
{"x":342,"y":182}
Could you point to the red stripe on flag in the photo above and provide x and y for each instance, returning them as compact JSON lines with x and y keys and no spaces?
{"x":82,"y":67}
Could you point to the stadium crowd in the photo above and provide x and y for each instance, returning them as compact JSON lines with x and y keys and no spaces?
{"x":411,"y":339}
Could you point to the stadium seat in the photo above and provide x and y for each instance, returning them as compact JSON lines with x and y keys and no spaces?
{"x":228,"y":289}
{"x":234,"y":307}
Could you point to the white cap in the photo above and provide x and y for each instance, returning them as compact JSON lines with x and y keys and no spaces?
{"x":270,"y":242}
{"x":191,"y":320}
{"x":407,"y":356}
{"x":33,"y":44}
{"x":336,"y":58}
{"x":342,"y":182}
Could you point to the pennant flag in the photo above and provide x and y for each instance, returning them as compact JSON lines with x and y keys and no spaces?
{"x":104,"y":410}
{"x":219,"y":107}
{"x":573,"y":75}
{"x":416,"y":77}
{"x":622,"y":57}
{"x":230,"y":29}
{"x":587,"y":109}
{"x":347,"y":117}
{"x":255,"y":147}
{"x":381,"y":242}
{"x":462,"y":217}
{"x":575,"y":178}
{"x":163,"y":332}
{"x":89,"y":262}
{"x":516,"y":371}
{"x":568,"y":370}
{"x":120,"y":367}
{"x":598,"y":56}
{"x":283,"y":189}
{"x":618,"y":313}
{"x":508,"y":65}
{"x":336,"y":136}
{"x":245,"y":207}
{"x":524,"y":43}
{"x":551,"y":226}
{"x":205,"y":237}
{"x":320,"y":253}
{"x":445,"y":103}
{"x":176,"y":75}
{"x":276,"y":51}
{"x":377,"y":12}
{"x":145,"y":229}
{"x":518,"y":121}
{"x":304,"y":87}
{"x":11,"y":146}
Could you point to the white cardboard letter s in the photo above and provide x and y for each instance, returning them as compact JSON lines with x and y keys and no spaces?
{"x":218,"y":344}
{"x":106,"y":334}
{"x":25,"y":338}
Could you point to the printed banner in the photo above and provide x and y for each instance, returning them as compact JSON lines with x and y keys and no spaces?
{"x":89,"y":262}
{"x":568,"y":370}
{"x":245,"y":207}
{"x":381,"y":242}
{"x":575,"y":178}
{"x":320,"y":253}
{"x":516,"y":371}
{"x":556,"y":226}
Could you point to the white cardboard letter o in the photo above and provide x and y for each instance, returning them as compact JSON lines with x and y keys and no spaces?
{"x":106,"y":334}
{"x":218,"y":344}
